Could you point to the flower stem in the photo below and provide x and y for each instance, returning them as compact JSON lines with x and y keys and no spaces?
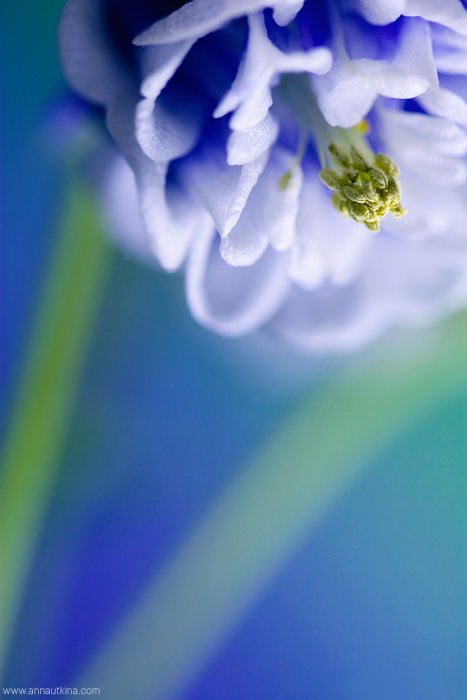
{"x":192,"y":605}
{"x":44,"y":403}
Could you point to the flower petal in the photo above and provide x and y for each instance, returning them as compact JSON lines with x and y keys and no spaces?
{"x":223,"y":189}
{"x":245,"y":146}
{"x":232,"y":300}
{"x":379,"y":11}
{"x":250,"y":95}
{"x":88,"y":61}
{"x":200,"y":17}
{"x":451,"y":13}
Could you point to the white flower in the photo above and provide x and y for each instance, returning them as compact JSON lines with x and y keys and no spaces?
{"x":224,"y":112}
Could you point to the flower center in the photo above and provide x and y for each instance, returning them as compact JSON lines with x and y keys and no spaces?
{"x":366,"y":189}
{"x":365,"y":184}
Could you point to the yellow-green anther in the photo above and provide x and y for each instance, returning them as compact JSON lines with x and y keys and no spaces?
{"x":354,"y":193}
{"x":360,"y":212}
{"x":366,"y":192}
{"x":369,"y":192}
{"x":378,"y":177}
{"x":386,"y":164}
{"x":394,"y":188}
{"x":330,"y":179}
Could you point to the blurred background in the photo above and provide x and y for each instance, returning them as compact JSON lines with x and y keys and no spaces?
{"x":369,"y":602}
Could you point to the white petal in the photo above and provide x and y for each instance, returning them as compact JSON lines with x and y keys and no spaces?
{"x":196,"y":19}
{"x":327,"y":246}
{"x":434,"y":134}
{"x":344,"y":95}
{"x":444,"y":103}
{"x":286,"y":10}
{"x":250,"y":95}
{"x":450,"y":50}
{"x":245,"y":146}
{"x":223,"y":189}
{"x":119,"y":199}
{"x":379,"y":11}
{"x":170,"y":218}
{"x":165,"y":133}
{"x":88,"y":61}
{"x":404,"y":283}
{"x":451,"y":13}
{"x":230,"y":300}
{"x":258,"y":223}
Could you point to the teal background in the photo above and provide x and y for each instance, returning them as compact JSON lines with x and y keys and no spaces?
{"x":373,"y":604}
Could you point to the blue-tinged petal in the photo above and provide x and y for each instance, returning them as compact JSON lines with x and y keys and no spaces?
{"x":120,"y":207}
{"x":378,"y":11}
{"x":344,"y":95}
{"x":170,"y":217}
{"x":222,"y":189}
{"x":347,"y":93}
{"x":444,"y":103}
{"x":165,"y":132}
{"x":326,"y":247}
{"x":244,"y":146}
{"x":404,"y":283}
{"x":430,"y":146}
{"x":269,"y":215}
{"x":90,"y":65}
{"x":200,"y":17}
{"x":232,"y":300}
{"x":451,"y":13}
{"x":250,"y":96}
{"x":285,"y":11}
{"x":449,"y":50}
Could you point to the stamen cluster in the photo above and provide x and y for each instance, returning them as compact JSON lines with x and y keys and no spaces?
{"x":364,"y":192}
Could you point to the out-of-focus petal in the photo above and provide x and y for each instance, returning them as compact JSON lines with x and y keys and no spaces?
{"x":232,"y":300}
{"x":379,"y":11}
{"x":444,"y":103}
{"x":327,"y":247}
{"x":199,"y":17}
{"x":403,"y":283}
{"x":90,"y":65}
{"x":451,"y":13}
{"x":169,"y":217}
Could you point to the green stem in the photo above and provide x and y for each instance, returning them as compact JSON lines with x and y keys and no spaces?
{"x":195,"y":602}
{"x":42,"y":412}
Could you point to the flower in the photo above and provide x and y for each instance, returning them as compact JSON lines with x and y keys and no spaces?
{"x":236,"y":118}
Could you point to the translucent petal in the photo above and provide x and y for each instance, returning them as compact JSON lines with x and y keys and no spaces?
{"x":444,"y":103}
{"x":232,"y":300}
{"x":88,"y":61}
{"x":379,"y":11}
{"x":250,"y":95}
{"x":451,"y":13}
{"x":222,"y":189}
{"x":170,"y":218}
{"x":245,"y":146}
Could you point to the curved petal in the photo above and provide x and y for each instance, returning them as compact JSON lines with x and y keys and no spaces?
{"x":170,"y":217}
{"x":444,"y":103}
{"x":451,"y":13}
{"x":327,"y":246}
{"x":232,"y":301}
{"x":88,"y":61}
{"x":245,"y":146}
{"x":404,"y":283}
{"x":250,"y":95}
{"x":120,"y":206}
{"x":379,"y":11}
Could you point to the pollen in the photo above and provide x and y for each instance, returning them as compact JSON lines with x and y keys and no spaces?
{"x":364,"y":189}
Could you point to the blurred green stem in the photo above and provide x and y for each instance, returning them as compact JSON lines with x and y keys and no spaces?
{"x":192,"y":605}
{"x":41,"y":414}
